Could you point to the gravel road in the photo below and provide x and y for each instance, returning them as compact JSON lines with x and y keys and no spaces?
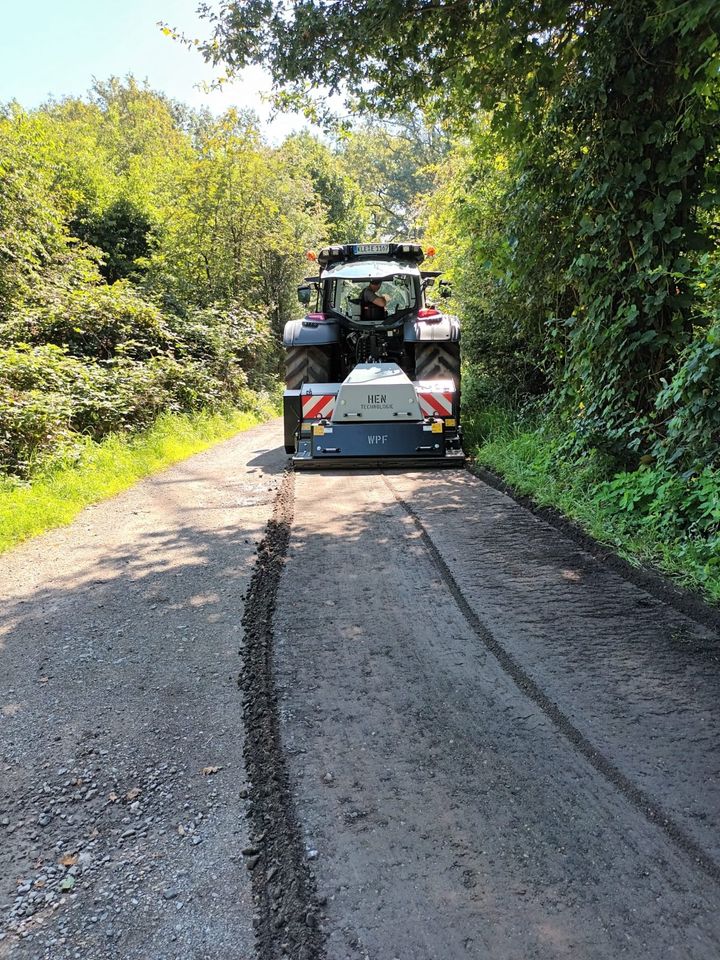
{"x":456,"y":734}
{"x":122,"y":780}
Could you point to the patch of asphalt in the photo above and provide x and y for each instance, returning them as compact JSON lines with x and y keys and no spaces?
{"x":652,"y":581}
{"x":525,"y":683}
{"x":287,"y":920}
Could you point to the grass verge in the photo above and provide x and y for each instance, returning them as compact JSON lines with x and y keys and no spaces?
{"x":650,"y":517}
{"x":55,"y":496}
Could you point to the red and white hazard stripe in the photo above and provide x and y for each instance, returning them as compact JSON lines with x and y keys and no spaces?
{"x":435,"y":403}
{"x":318,"y":406}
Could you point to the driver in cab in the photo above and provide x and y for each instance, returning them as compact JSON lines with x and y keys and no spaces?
{"x":373,"y":305}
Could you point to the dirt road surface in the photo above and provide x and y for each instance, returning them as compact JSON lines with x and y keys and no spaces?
{"x":456,"y":734}
{"x":118,"y":666}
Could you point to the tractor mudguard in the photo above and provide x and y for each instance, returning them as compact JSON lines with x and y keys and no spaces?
{"x":310,"y":333}
{"x":440,"y":328}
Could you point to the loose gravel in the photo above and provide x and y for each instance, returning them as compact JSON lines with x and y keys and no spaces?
{"x":123,"y":789}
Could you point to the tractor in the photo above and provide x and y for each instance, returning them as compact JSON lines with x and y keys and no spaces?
{"x":372,"y":372}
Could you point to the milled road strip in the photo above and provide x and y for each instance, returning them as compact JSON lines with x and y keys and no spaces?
{"x":637,"y":677}
{"x":451,"y":817}
{"x":287,"y":916}
{"x":661,"y":587}
{"x":644,"y":803}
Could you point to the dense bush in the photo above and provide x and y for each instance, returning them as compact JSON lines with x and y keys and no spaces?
{"x":92,"y":321}
{"x":681,"y":512}
{"x":148,"y":260}
{"x":32,"y":423}
{"x":225,"y":338}
{"x":48,"y":397}
{"x":688,"y":407}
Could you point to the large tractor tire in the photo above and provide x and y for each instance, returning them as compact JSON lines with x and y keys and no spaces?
{"x":306,"y":365}
{"x":438,"y":361}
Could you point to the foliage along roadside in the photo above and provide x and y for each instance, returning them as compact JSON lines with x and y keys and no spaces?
{"x":149,"y":255}
{"x":101,"y":470}
{"x":579,"y":214}
{"x":650,"y":516}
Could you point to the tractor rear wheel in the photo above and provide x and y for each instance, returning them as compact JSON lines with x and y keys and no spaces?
{"x":438,"y":361}
{"x":306,"y":365}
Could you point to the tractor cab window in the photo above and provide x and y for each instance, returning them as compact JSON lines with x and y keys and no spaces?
{"x":346,"y":295}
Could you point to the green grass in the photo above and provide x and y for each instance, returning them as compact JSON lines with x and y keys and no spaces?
{"x":55,"y":496}
{"x":649,"y":517}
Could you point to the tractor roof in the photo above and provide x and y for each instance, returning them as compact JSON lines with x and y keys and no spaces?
{"x":346,"y":252}
{"x":368,"y":269}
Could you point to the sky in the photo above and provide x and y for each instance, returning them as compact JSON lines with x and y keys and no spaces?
{"x":56,"y":47}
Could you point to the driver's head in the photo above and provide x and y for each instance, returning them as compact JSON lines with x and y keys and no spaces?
{"x":374,"y":285}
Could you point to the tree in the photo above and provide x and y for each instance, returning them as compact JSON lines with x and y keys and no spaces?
{"x":392,"y":163}
{"x":33,"y":234}
{"x":241,"y":209}
{"x":122,"y":232}
{"x":609,"y":112}
{"x":148,"y":260}
{"x":335,"y":186}
{"x":483,"y":236}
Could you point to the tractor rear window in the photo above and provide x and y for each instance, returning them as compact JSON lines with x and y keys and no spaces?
{"x":346,"y":295}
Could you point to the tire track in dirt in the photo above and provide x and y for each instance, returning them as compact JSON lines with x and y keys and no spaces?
{"x":642,"y":801}
{"x":287,"y":910}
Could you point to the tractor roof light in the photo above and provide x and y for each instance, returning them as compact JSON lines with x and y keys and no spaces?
{"x":311,"y":255}
{"x":409,"y":251}
{"x":327,"y":254}
{"x":430,"y":251}
{"x":331,"y":255}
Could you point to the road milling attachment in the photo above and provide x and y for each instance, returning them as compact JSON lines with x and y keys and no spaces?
{"x":377,"y":416}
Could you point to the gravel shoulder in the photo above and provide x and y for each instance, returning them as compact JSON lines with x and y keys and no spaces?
{"x":434,"y":749}
{"x":122,"y":781}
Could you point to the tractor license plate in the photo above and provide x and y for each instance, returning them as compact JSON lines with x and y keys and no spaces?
{"x":370,"y":248}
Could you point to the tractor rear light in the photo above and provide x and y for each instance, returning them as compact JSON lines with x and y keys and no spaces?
{"x":316,"y":316}
{"x":431,"y":314}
